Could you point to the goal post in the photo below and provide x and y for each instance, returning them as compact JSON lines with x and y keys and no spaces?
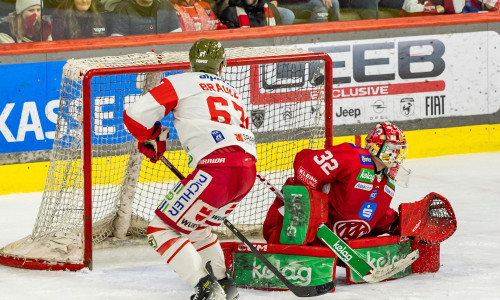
{"x":101,"y":191}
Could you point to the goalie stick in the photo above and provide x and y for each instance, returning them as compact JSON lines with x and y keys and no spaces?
{"x":349,"y":256}
{"x":299,"y":291}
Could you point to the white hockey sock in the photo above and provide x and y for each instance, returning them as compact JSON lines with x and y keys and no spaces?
{"x":177,"y":251}
{"x":209,"y":248}
{"x":187,"y":263}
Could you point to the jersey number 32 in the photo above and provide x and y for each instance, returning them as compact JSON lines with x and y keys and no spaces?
{"x":326,"y":162}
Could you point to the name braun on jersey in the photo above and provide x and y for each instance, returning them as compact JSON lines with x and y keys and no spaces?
{"x":218,"y":88}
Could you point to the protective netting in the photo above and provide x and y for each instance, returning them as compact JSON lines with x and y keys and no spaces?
{"x":285,"y":102}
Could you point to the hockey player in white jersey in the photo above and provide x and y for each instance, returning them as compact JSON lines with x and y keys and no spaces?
{"x":212,"y":126}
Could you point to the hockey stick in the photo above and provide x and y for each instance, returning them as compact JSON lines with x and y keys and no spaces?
{"x":299,"y":291}
{"x":349,"y":255}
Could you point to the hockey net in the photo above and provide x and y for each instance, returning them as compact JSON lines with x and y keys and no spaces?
{"x":101,"y":191}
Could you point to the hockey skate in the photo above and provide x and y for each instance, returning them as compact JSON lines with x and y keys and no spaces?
{"x":229,"y":287}
{"x":208,"y":288}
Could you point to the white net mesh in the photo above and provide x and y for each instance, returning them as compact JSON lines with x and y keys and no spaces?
{"x":286,"y":107}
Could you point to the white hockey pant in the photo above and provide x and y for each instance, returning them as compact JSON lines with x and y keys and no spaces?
{"x":188,"y":254}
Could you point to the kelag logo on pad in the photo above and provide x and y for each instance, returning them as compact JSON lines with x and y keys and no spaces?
{"x":383,"y":256}
{"x":300,"y":270}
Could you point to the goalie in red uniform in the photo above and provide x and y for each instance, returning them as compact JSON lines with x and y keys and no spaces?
{"x":357,"y":185}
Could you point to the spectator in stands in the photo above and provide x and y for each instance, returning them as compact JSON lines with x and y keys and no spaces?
{"x":78,"y":19}
{"x":369,"y":9}
{"x":252,"y":13}
{"x":136,"y":17}
{"x":471,"y":6}
{"x":196,"y":15}
{"x":287,"y":16}
{"x":421,"y":8}
{"x":491,"y":5}
{"x":316,"y":10}
{"x":25,"y":24}
{"x":432,"y":7}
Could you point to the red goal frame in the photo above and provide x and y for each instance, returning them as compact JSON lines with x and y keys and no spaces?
{"x":87,"y":140}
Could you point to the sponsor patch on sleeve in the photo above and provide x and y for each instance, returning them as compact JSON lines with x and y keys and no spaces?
{"x":305,"y":177}
{"x":365,"y":159}
{"x":389,"y":191}
{"x":217,"y":135}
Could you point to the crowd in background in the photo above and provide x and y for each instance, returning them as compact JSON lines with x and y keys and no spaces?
{"x":47,"y":20}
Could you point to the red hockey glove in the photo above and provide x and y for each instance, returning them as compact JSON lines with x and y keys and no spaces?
{"x":155,"y":147}
{"x":430,"y":220}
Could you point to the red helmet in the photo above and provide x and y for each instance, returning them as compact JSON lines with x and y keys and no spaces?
{"x":388,"y":142}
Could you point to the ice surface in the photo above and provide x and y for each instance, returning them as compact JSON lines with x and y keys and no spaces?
{"x":470,"y":259}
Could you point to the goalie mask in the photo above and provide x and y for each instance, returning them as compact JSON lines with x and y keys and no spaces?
{"x":387,"y":142}
{"x":207,"y":56}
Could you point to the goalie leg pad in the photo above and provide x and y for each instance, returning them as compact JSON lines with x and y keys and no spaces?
{"x":305,"y":210}
{"x":429,"y":260}
{"x":380,"y":252}
{"x":431,"y":219}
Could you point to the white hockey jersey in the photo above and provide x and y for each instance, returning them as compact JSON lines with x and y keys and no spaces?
{"x":208,"y":114}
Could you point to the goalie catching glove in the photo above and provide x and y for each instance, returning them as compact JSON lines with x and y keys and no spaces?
{"x":430,"y":220}
{"x":155,"y":147}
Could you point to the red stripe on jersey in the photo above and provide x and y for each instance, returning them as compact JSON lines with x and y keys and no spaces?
{"x":165,"y":95}
{"x":173,"y":255}
{"x":206,"y":246}
{"x":164,"y":247}
{"x":139,"y":131}
{"x":154,"y":229}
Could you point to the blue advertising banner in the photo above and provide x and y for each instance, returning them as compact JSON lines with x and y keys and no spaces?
{"x":28,"y":105}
